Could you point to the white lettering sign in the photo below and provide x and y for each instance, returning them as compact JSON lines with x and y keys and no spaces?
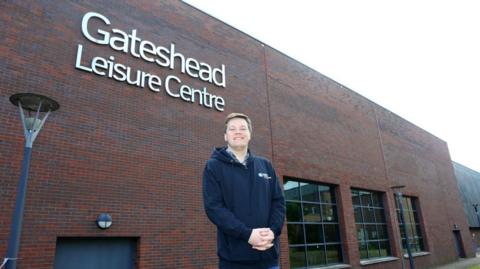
{"x":130,"y":43}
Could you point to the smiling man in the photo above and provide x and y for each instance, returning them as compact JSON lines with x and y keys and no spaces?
{"x":243,"y":198}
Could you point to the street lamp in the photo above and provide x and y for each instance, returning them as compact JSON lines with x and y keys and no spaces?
{"x":398,"y":194}
{"x":35,"y":105}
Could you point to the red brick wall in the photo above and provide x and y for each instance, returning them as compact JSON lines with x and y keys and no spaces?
{"x":139,"y":155}
{"x":324,"y":132}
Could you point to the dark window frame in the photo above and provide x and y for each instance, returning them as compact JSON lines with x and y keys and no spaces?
{"x":411,"y":214}
{"x":373,"y":205}
{"x":323,"y":202}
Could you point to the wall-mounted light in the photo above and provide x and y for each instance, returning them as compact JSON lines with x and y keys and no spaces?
{"x":104,"y":221}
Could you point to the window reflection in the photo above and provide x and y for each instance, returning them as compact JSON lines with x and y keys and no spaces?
{"x":372,"y":233}
{"x":292,"y":190}
{"x":312,"y":223}
{"x":311,"y":212}
{"x":294,"y":211}
{"x":412,"y":224}
{"x":316,"y":255}
{"x":297,"y":257}
{"x":309,"y":192}
{"x":329,"y":213}
{"x":295,"y":234}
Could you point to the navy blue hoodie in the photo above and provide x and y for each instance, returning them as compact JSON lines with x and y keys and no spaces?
{"x":239,"y":198}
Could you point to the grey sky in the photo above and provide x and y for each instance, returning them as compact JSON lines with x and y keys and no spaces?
{"x":418,"y":59}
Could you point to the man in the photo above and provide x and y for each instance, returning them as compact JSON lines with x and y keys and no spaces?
{"x":243,"y":198}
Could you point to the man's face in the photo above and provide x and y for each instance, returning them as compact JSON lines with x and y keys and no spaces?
{"x":237,"y":135}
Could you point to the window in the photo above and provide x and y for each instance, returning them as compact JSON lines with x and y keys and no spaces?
{"x":312,"y":224}
{"x":372,"y":232}
{"x":412,"y":224}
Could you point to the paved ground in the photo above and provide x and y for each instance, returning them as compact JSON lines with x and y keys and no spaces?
{"x":461,"y":263}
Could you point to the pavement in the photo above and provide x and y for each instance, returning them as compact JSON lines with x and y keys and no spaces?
{"x":461,"y":263}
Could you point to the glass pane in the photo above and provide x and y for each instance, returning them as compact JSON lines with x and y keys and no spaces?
{"x":408,"y":228}
{"x":295,"y":234}
{"x":382,"y":231}
{"x":419,"y":231}
{"x":357,"y":211}
{"x":384,"y":248}
{"x":415,"y":247}
{"x":420,"y":244}
{"x":365,"y":198}
{"x":413,"y":203}
{"x":291,"y":190}
{"x":294,"y":211}
{"x":314,"y":233}
{"x":373,"y":249}
{"x":311,"y":212}
{"x":409,"y":217}
{"x":408,"y":203}
{"x":331,"y":233}
{"x":415,"y":217}
{"x":326,"y":194}
{"x":361,"y":232}
{"x":355,"y":197}
{"x":413,"y":231}
{"x":334,"y":254}
{"x":371,"y":232}
{"x":368,"y":215}
{"x":399,"y":217}
{"x":329,"y":213}
{"x":376,"y":200}
{"x":316,"y":255}
{"x":363,"y":250}
{"x":297,"y":257}
{"x":402,"y":230}
{"x":404,"y":202}
{"x":379,"y":216}
{"x":309,"y":192}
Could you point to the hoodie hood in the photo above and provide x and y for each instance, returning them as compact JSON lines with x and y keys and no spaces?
{"x":221,"y":154}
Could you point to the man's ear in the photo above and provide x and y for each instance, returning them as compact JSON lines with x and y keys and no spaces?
{"x":225,"y":137}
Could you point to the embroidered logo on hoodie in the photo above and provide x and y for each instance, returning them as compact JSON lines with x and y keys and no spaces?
{"x":264,"y":175}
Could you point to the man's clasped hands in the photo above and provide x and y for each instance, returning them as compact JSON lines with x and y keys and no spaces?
{"x":261,"y":238}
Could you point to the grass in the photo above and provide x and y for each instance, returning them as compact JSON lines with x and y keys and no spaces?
{"x":474,"y":267}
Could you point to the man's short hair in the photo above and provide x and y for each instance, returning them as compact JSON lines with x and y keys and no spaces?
{"x":240,"y":116}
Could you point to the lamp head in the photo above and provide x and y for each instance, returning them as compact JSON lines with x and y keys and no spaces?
{"x":32,"y":102}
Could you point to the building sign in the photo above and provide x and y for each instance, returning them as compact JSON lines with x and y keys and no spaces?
{"x":164,"y":57}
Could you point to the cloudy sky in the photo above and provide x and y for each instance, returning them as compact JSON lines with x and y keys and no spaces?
{"x":419,"y":59}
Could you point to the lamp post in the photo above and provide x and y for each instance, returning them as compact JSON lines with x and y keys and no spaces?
{"x":32,"y":124}
{"x":398,"y":194}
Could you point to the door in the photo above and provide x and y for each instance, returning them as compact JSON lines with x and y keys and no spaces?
{"x":458,"y":244}
{"x":95,"y":253}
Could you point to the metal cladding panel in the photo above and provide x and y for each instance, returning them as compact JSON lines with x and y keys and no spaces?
{"x":468,"y":182}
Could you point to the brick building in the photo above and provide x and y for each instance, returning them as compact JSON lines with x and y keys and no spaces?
{"x":144,"y":87}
